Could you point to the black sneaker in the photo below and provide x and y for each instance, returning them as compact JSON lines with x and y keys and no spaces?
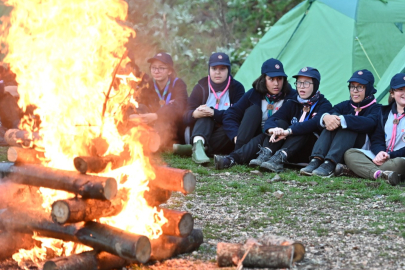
{"x":223,"y":162}
{"x":276,"y":162}
{"x":264,"y":155}
{"x":343,"y":170}
{"x":391,"y":177}
{"x":325,"y":170}
{"x":313,"y":164}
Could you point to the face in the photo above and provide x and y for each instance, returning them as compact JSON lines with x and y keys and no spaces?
{"x":399,"y":96}
{"x":357,"y":91}
{"x":274,"y":84}
{"x":219,"y":74}
{"x":160,"y":71}
{"x":305,"y":87}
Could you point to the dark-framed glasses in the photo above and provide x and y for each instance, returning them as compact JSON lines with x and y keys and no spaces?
{"x":358,"y":88}
{"x":302,"y":84}
{"x":160,"y":69}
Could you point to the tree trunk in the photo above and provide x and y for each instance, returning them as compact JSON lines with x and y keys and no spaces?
{"x":174,"y":179}
{"x":77,"y":209}
{"x":17,"y":137}
{"x":156,"y":196}
{"x":116,"y":241}
{"x":258,"y":256}
{"x":179,"y":223}
{"x":89,"y":260}
{"x":166,"y":246}
{"x":88,"y":186}
{"x":96,"y":164}
{"x":10,"y":243}
{"x":24,"y":155}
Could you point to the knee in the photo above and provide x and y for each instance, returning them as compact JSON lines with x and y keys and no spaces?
{"x":349,"y":154}
{"x":253,"y":112}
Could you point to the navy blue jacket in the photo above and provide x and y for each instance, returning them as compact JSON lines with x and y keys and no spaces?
{"x":292,"y":109}
{"x":234,"y":115}
{"x":200,"y":95}
{"x":365,"y":122}
{"x":377,"y":139}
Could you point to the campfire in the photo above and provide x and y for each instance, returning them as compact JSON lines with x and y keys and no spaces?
{"x":98,"y":192}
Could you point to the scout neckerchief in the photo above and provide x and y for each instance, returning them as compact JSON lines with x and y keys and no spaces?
{"x":162,"y":97}
{"x":358,"y":109}
{"x":215,"y":94}
{"x":391,"y":144}
{"x":308,"y":105}
{"x":271,"y":99}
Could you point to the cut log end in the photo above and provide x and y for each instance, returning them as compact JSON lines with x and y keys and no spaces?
{"x":189,"y":182}
{"x":50,"y":265}
{"x":80,"y":165}
{"x":186,"y":224}
{"x":143,"y":249}
{"x":299,"y":252}
{"x":110,"y":188}
{"x":60,"y":212}
{"x":12,"y":154}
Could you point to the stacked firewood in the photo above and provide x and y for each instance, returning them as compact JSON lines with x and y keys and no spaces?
{"x":96,"y":197}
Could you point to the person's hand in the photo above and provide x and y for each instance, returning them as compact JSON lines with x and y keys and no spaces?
{"x":234,"y":139}
{"x":381,"y":158}
{"x":332,"y":122}
{"x":148,"y":117}
{"x":203,"y":111}
{"x":277,"y":134}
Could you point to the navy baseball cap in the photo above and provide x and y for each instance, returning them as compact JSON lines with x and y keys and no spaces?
{"x":218,"y":59}
{"x":398,"y":81}
{"x":363,"y":77}
{"x":273,"y":68}
{"x":162,"y":57}
{"x":309,"y":72}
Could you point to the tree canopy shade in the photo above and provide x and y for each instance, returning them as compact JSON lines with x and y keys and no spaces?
{"x":337,"y":38}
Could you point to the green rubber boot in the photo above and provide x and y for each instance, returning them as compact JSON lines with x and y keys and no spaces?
{"x":199,"y":155}
{"x":183,"y":149}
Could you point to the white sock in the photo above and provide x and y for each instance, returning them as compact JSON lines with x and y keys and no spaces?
{"x":198,"y":138}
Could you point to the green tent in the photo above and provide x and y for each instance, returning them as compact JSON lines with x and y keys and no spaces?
{"x":337,"y":37}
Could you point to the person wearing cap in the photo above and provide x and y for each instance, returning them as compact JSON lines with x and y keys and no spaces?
{"x":385,"y":159}
{"x":288,"y":130}
{"x":164,"y":101}
{"x":208,"y":101}
{"x":347,"y":125}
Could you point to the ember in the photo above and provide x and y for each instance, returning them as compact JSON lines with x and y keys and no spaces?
{"x":64,"y":70}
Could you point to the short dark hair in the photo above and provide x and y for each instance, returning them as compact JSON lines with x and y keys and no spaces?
{"x":260,"y":85}
{"x":390,"y":98}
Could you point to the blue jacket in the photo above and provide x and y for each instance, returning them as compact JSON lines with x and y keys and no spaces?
{"x":199,"y":97}
{"x":377,"y":139}
{"x":291,"y":112}
{"x":365,"y":122}
{"x":235,"y":114}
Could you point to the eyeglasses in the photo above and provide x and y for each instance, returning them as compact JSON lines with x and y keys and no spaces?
{"x":302,"y":84}
{"x":160,"y":69}
{"x":399,"y":90}
{"x":358,"y":88}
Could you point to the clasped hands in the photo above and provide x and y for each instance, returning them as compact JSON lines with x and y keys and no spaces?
{"x":203,"y":111}
{"x":277,"y":134}
{"x":381,"y":158}
{"x":331,"y":122}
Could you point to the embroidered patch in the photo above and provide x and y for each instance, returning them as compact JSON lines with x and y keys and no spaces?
{"x":402,"y":130}
{"x":360,"y":72}
{"x":159,"y":54}
{"x":304,"y":69}
{"x":219,"y":56}
{"x":226,"y":104}
{"x":277,"y":108}
{"x":277,"y":66}
{"x":294,"y":120}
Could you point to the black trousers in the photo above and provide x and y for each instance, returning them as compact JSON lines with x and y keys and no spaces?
{"x":250,"y":126}
{"x":214,"y":136}
{"x":332,"y":145}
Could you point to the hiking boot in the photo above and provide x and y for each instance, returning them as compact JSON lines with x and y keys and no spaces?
{"x":183,"y":149}
{"x":199,"y":155}
{"x":325,"y":170}
{"x":264,"y":155}
{"x":276,"y":162}
{"x":223,"y":162}
{"x":343,"y":170}
{"x":313,"y":164}
{"x":390,"y":177}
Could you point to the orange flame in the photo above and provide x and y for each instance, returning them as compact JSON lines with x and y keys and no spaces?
{"x":64,"y":53}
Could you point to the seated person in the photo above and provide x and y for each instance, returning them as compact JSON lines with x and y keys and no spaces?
{"x":308,"y":107}
{"x":346,"y":125}
{"x":385,"y":160}
{"x":210,"y":98}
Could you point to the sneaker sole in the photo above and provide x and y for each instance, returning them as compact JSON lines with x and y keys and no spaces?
{"x":200,"y":161}
{"x":324,"y":176}
{"x":305,"y":173}
{"x":271,"y":169}
{"x":254,"y":165}
{"x":394,"y":179}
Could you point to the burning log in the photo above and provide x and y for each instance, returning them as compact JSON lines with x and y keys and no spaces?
{"x":17,"y":137}
{"x":24,"y":155}
{"x":116,"y":241}
{"x":96,"y":164}
{"x":77,"y":209}
{"x":257,"y":257}
{"x":174,"y":179}
{"x":179,"y":223}
{"x":156,"y":196}
{"x":90,"y":260}
{"x":169,"y":246}
{"x":88,"y":186}
{"x":10,"y":243}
